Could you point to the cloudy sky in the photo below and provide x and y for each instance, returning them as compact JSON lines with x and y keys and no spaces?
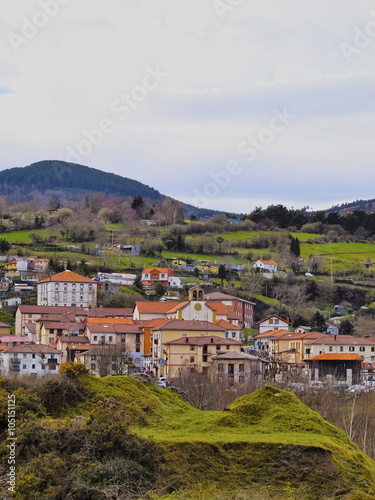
{"x":226,"y":104}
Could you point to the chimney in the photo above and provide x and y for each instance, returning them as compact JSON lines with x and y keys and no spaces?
{"x":187,"y":340}
{"x":335,"y":336}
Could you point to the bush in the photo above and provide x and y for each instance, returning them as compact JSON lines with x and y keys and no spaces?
{"x":73,"y":370}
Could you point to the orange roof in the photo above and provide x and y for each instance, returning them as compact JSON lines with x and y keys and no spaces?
{"x":331,"y":356}
{"x":269,"y":262}
{"x":271,"y":333}
{"x":227,"y":325}
{"x":218,"y":307}
{"x":154,"y":307}
{"x":179,"y":305}
{"x":68,"y":277}
{"x":159,"y":269}
{"x":120,"y":321}
{"x":154,"y":323}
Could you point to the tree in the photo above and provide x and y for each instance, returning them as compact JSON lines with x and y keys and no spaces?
{"x":295,"y":247}
{"x":220,"y":240}
{"x":196,"y":272}
{"x":293,"y":295}
{"x":222,"y":274}
{"x":159,"y":289}
{"x":4,"y":246}
{"x":346,"y":327}
{"x":318,"y":323}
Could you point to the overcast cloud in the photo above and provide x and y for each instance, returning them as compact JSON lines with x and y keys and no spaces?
{"x":222,"y":76}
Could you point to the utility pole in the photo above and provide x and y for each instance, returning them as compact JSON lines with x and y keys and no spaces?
{"x":331,"y":269}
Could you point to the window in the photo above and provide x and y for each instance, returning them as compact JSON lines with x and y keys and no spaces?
{"x":226,"y":335}
{"x":231,"y":380}
{"x":95,"y":337}
{"x":192,"y":359}
{"x":276,"y":321}
{"x":51,"y":340}
{"x":93,"y":366}
{"x":24,"y":356}
{"x":33,"y":356}
{"x":93,"y":357}
{"x":90,"y":298}
{"x":227,"y":347}
{"x":81,"y":298}
{"x":184,"y":335}
{"x":341,"y":348}
{"x":74,"y":287}
{"x":81,"y":288}
{"x":33,"y":367}
{"x":362,"y":349}
{"x":220,"y":367}
{"x":204,"y":359}
{"x":56,"y":286}
{"x":110,"y":338}
{"x":24,"y":367}
{"x":192,"y":347}
{"x":218,"y":348}
{"x":65,"y":286}
{"x":65,"y":297}
{"x":90,"y":288}
{"x":372,"y":349}
{"x":271,"y":321}
{"x":351,"y":348}
{"x":137,"y":348}
{"x":241,"y":379}
{"x":230,"y":368}
{"x":330,"y":348}
{"x":241,"y":367}
{"x":73,"y":296}
{"x":56,"y":296}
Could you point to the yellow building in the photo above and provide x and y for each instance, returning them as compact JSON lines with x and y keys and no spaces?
{"x":175,"y":329}
{"x":288,"y":347}
{"x":194,"y":353}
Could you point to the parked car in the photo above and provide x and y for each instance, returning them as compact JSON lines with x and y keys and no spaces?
{"x":364,"y":386}
{"x":164,"y":381}
{"x":161,"y":384}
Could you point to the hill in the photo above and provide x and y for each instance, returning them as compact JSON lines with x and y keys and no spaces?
{"x":71,"y":180}
{"x":367,"y":206}
{"x":115,"y":437}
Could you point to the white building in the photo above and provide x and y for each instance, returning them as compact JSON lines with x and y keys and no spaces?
{"x":268,"y":266}
{"x":175,"y":282}
{"x":31,"y":359}
{"x":273,"y":323}
{"x":67,"y":289}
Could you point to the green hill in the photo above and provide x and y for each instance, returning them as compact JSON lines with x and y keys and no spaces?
{"x":118,"y":438}
{"x":73,"y":180}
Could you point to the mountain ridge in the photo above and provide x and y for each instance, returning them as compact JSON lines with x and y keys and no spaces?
{"x":75,"y":179}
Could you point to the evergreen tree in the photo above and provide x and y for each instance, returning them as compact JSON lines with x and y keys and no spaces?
{"x":318,"y":323}
{"x":346,"y":327}
{"x":222,"y":274}
{"x":295,"y":247}
{"x":159,"y":289}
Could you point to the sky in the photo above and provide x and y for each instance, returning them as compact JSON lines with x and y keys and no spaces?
{"x":225,"y":104}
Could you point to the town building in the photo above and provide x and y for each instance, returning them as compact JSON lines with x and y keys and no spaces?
{"x":273,"y":323}
{"x":67,"y":289}
{"x":31,"y":359}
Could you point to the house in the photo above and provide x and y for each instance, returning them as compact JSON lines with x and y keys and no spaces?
{"x":345,"y":367}
{"x":11,"y":340}
{"x":4,"y":329}
{"x":287,"y":347}
{"x":31,"y":359}
{"x":156,"y":275}
{"x":273,"y":323}
{"x":126,"y":335}
{"x":242,"y":311}
{"x":237,"y":369}
{"x":175,"y":329}
{"x":262,"y":341}
{"x":302,"y":329}
{"x":340,"y":344}
{"x":122,"y":279}
{"x":175,"y":282}
{"x":71,"y":346}
{"x":333,"y":325}
{"x":14,"y":301}
{"x":232,"y":332}
{"x":26,"y":314}
{"x":49,"y":330}
{"x":368,"y":372}
{"x":146,"y":311}
{"x":67,"y":289}
{"x":267,"y":266}
{"x":105,"y":360}
{"x":194,"y":353}
{"x":128,"y":249}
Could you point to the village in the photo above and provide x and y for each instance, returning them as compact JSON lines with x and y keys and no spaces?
{"x":170,"y":338}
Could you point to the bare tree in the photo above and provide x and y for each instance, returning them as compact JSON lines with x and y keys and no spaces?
{"x":294,"y":296}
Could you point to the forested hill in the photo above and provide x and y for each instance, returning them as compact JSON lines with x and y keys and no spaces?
{"x":71,"y":180}
{"x":55,"y":175}
{"x":367,"y":206}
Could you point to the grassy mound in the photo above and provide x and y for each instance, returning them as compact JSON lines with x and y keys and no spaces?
{"x":142,"y":441}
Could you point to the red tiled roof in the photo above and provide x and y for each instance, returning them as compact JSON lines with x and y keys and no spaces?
{"x":218,"y":307}
{"x":153,"y":307}
{"x":271,"y":333}
{"x":203,"y":341}
{"x":269,"y":262}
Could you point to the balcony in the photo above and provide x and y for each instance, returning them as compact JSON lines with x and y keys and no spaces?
{"x":15,"y":361}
